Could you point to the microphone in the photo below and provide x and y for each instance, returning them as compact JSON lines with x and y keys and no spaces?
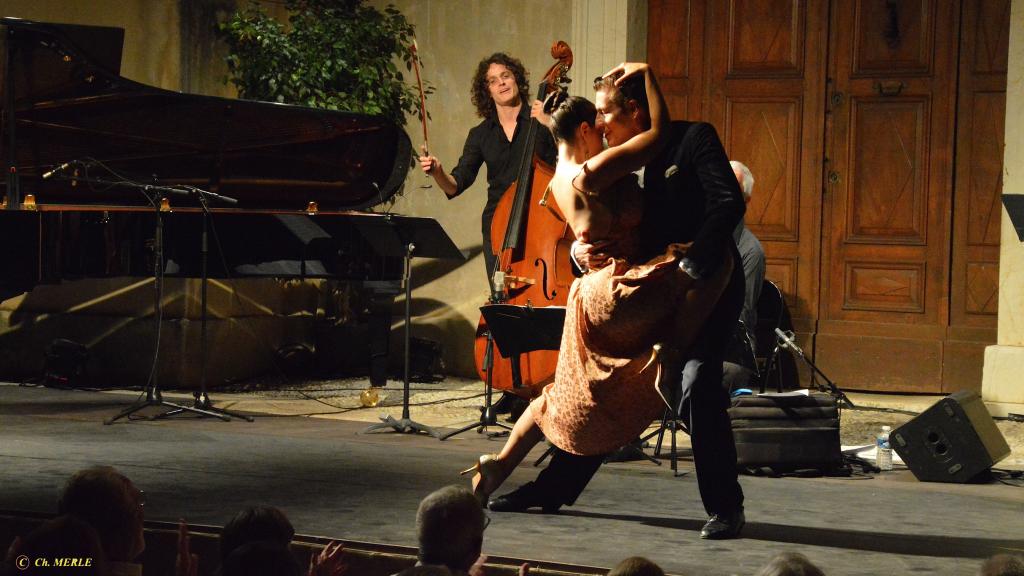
{"x":222,"y":198}
{"x":58,"y":169}
{"x":787,"y":340}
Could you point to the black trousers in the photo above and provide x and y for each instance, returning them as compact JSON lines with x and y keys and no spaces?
{"x":705,"y":412}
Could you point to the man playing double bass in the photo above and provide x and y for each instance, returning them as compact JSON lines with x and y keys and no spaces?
{"x":500,"y":91}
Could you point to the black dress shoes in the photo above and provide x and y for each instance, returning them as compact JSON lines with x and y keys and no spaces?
{"x":521,"y":500}
{"x":723,"y":526}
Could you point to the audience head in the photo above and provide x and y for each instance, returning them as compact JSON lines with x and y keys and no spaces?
{"x":482,"y":96}
{"x":61,"y":537}
{"x":112,"y":505}
{"x":450,"y":527}
{"x":261,"y":558}
{"x":1003,"y":565}
{"x":744,"y":177}
{"x":254,"y":524}
{"x":568,"y":113}
{"x":636,"y":566}
{"x":790,"y":564}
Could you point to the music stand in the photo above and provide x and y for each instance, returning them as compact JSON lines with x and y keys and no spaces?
{"x":408,"y":237}
{"x":515,"y":330}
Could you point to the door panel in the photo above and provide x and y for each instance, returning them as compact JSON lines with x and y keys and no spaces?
{"x":764,"y":133}
{"x":874,"y":130}
{"x":675,"y":45}
{"x":766,"y":38}
{"x":887,"y":198}
{"x":890,"y":145}
{"x":890,"y":37}
{"x":981,"y":114}
{"x":766,"y":97}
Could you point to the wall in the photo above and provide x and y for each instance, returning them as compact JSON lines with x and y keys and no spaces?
{"x":1002,"y":388}
{"x":152,"y":44}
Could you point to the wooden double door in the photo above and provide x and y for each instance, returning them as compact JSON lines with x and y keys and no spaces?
{"x":874,"y":131}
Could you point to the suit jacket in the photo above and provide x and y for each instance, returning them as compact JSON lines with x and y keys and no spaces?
{"x":691,"y":195}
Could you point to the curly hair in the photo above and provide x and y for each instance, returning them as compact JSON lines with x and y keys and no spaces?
{"x":482,"y":96}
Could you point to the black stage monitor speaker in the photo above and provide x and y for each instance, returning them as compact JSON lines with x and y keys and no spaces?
{"x":953,"y":441}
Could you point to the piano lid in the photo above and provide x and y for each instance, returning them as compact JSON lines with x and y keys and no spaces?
{"x":70,"y":103}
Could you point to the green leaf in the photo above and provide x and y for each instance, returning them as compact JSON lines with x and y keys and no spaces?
{"x":336,"y":54}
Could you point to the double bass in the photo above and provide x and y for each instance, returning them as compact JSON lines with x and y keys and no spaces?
{"x":531,"y":241}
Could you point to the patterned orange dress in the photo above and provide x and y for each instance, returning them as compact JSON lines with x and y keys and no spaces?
{"x":604,"y":392}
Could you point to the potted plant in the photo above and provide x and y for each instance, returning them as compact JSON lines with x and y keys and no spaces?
{"x":333,"y":54}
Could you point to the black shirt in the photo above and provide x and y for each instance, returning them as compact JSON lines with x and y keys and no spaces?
{"x":487,"y":144}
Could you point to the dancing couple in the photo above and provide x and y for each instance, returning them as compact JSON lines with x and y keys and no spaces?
{"x":648,"y":321}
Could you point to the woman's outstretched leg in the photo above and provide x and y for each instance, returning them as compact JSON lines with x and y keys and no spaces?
{"x":493,"y":469}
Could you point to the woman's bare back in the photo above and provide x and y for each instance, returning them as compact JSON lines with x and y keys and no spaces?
{"x":612,"y":214}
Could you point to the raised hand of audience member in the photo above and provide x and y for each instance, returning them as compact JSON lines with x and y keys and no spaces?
{"x":329,"y":561}
{"x":524,"y":570}
{"x":477,"y":569}
{"x":185,"y":563}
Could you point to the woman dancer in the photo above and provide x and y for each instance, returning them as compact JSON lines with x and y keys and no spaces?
{"x":605,"y":393}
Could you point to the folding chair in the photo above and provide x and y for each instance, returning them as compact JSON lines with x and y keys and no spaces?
{"x":771,"y":308}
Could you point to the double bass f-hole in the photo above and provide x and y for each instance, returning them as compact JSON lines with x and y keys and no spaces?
{"x":544,"y":279}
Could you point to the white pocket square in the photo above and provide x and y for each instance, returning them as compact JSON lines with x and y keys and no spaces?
{"x":671,"y":171}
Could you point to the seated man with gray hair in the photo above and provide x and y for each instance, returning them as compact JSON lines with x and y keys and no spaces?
{"x":738,"y":368}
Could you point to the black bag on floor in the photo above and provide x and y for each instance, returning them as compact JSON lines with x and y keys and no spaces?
{"x":787,"y":433}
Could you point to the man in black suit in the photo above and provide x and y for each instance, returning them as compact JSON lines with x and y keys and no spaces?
{"x":690,"y":195}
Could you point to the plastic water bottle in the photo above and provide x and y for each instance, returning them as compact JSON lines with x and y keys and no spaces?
{"x":883,"y":451}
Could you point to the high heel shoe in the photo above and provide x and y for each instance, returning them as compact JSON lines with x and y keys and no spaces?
{"x":489,"y":476}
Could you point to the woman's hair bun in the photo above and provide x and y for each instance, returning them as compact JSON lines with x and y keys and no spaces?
{"x":554,"y":100}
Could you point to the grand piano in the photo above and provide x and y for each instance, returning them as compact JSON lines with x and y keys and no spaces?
{"x":74,"y":132}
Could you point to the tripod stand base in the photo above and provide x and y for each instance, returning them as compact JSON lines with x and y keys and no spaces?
{"x":481,"y":428}
{"x":631,"y":452}
{"x":403,"y":426}
{"x":488,"y":418}
{"x":671,"y":425}
{"x":204,"y":407}
{"x":174,"y":409}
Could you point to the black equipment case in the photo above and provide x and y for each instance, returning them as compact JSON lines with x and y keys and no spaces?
{"x":786,"y":432}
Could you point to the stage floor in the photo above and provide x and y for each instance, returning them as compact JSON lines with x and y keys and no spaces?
{"x":333,"y":481}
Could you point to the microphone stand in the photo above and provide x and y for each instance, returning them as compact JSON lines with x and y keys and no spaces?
{"x":786,"y":341}
{"x":154,"y":397}
{"x":201,"y":400}
{"x":488,"y":417}
{"x":405,"y":425}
